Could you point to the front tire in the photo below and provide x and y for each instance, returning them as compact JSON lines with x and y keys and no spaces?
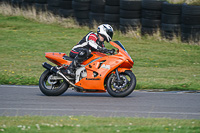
{"x":51,"y":87}
{"x":124,"y":88}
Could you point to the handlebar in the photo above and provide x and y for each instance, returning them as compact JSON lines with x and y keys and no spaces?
{"x":107,"y":51}
{"x":112,"y":51}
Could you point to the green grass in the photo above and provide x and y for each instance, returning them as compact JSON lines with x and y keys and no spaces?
{"x":159,"y":64}
{"x":189,"y":2}
{"x":91,"y":124}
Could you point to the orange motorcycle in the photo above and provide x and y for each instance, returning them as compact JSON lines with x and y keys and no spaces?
{"x":100,"y":73}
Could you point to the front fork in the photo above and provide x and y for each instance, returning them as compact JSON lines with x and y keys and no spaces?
{"x":117,"y":73}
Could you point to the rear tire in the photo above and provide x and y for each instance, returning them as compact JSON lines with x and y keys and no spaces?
{"x":125,"y":88}
{"x":57,"y":87}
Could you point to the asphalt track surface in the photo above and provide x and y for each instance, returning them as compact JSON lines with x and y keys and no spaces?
{"x":28,"y":100}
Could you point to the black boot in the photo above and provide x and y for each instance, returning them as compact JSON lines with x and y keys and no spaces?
{"x":71,"y":68}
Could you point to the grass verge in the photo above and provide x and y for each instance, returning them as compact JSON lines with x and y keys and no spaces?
{"x":169,"y":65}
{"x":189,"y":2}
{"x":96,"y":124}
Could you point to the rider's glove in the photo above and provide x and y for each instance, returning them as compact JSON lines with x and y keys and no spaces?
{"x":111,"y":51}
{"x":103,"y":50}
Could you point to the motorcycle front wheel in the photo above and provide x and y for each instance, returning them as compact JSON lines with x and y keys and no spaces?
{"x":51,"y":85}
{"x":122,"y":87}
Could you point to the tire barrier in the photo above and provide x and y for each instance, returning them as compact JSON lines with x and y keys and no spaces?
{"x":97,"y":10}
{"x":152,"y":15}
{"x":190,"y":28}
{"x":40,"y":5}
{"x":171,"y":20}
{"x":81,"y":11}
{"x":16,"y":3}
{"x":26,"y":4}
{"x":130,"y":14}
{"x":112,"y":13}
{"x":66,"y":8}
{"x":53,"y":6}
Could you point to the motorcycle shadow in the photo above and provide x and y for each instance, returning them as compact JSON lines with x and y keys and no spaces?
{"x":71,"y":93}
{"x":79,"y":94}
{"x":86,"y":94}
{"x":105,"y":95}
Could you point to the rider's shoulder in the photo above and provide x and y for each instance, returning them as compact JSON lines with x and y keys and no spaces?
{"x":92,"y":34}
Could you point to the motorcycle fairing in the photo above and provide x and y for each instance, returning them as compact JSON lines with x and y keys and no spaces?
{"x":98,"y":70}
{"x":57,"y":58}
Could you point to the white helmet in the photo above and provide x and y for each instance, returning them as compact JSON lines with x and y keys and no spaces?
{"x":106,"y":31}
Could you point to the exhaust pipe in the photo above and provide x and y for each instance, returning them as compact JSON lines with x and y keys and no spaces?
{"x":55,"y":70}
{"x":50,"y":67}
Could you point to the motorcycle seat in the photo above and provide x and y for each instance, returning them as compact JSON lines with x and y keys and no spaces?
{"x":65,"y":57}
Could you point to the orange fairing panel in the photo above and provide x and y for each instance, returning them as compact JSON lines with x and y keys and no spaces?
{"x":101,"y":69}
{"x":57,"y":58}
{"x":95,"y":55}
{"x":126,"y":64}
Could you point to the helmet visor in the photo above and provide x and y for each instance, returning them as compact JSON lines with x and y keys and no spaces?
{"x":110,"y":33}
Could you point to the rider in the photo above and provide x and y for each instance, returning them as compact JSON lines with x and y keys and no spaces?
{"x":91,"y":42}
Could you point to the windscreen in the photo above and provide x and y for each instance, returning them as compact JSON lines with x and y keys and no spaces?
{"x":117,"y":42}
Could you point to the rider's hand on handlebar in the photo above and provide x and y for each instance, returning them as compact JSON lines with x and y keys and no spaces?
{"x":103,"y":50}
{"x":107,"y":51}
{"x":111,"y":51}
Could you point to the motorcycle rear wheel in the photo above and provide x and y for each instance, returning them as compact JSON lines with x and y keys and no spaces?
{"x":52,"y":87}
{"x":123,"y":89}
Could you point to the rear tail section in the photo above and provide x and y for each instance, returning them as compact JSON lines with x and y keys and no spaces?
{"x":58,"y":58}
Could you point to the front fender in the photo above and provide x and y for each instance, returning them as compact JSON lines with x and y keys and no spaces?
{"x":121,"y":70}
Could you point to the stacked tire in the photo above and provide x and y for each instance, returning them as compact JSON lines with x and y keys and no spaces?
{"x":66,"y":8}
{"x":81,"y":11}
{"x":171,"y":20}
{"x":5,"y":1}
{"x":53,"y":6}
{"x":26,"y":4}
{"x":190,"y":28}
{"x":111,"y":16}
{"x":16,"y":3}
{"x":130,"y":14}
{"x":97,"y":9}
{"x":41,"y":5}
{"x":151,"y":15}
